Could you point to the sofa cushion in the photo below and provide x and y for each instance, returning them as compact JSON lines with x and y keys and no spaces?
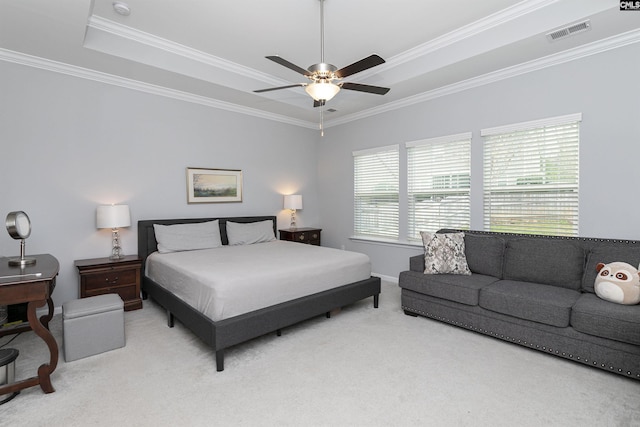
{"x":484,"y":254}
{"x":537,"y":302}
{"x":629,"y":253}
{"x":544,"y":261}
{"x":444,"y":253}
{"x":416,"y":263}
{"x":453,"y":287}
{"x":594,"y":316}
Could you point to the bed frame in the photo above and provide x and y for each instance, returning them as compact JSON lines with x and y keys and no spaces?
{"x":228,"y":332}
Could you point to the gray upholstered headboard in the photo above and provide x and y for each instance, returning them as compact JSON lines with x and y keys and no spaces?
{"x":147,"y":243}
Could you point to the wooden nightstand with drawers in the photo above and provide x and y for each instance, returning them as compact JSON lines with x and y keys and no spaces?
{"x":306,"y":235}
{"x":104,"y":276}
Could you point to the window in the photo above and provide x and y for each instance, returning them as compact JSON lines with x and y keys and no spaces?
{"x":376,"y":192}
{"x":531,"y":177}
{"x":438,"y":182}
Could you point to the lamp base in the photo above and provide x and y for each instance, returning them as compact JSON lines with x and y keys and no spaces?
{"x":21,"y":261}
{"x":116,"y":249}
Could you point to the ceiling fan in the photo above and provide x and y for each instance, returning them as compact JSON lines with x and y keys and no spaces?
{"x":325,"y":79}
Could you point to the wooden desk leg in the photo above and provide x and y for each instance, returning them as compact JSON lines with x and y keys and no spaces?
{"x":47,"y":318}
{"x":46,"y":369}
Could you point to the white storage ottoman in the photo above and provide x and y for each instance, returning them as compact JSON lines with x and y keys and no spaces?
{"x":92,"y":325}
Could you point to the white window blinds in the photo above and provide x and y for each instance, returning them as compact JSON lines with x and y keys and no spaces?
{"x":438,"y":183}
{"x":531,"y":177}
{"x":375,"y":196}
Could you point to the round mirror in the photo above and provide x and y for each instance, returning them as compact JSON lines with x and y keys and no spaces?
{"x":18,"y":225}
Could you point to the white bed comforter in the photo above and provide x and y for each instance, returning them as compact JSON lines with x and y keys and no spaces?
{"x":232,"y":280}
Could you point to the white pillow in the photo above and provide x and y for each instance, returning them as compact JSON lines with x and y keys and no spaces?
{"x":187,"y":237}
{"x":251,"y":232}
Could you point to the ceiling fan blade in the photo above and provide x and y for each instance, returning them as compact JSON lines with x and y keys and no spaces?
{"x":289,"y":65}
{"x":278,"y":88}
{"x":356,"y":67}
{"x":378,"y":90}
{"x":319,"y":103}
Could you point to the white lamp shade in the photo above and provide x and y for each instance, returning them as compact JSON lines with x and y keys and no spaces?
{"x":322,"y":90}
{"x":113,"y":216}
{"x":293,"y":201}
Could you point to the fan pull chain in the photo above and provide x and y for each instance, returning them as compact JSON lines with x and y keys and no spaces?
{"x":322,"y":121}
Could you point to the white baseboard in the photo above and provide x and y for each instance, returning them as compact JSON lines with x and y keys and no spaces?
{"x":43,"y":311}
{"x":391,"y":279}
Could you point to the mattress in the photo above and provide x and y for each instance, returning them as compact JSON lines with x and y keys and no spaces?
{"x":228,"y":281}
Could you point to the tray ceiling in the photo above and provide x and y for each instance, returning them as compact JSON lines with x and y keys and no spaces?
{"x":212,"y":52}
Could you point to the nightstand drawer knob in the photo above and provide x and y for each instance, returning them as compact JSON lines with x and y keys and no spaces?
{"x":315,"y":236}
{"x":302,"y":237}
{"x":114,"y":281}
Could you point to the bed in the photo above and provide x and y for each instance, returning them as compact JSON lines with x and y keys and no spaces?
{"x":224,"y":325}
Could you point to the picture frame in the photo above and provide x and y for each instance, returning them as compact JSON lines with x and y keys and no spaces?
{"x":214,"y":185}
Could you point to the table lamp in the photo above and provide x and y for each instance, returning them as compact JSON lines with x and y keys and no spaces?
{"x":114,"y":217}
{"x":293,"y":202}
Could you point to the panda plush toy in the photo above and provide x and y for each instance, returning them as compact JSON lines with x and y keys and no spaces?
{"x":618,"y":282}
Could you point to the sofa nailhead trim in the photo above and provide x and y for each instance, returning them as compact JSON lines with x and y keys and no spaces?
{"x":514,"y":340}
{"x":538,"y":236}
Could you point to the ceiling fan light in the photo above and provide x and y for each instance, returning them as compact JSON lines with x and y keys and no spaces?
{"x":322,"y":90}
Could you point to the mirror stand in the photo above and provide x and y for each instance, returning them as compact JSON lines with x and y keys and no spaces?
{"x":23,"y":260}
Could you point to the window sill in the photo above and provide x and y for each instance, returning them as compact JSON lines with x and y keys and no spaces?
{"x":386,"y":242}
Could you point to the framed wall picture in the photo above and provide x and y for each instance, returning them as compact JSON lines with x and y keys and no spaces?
{"x":214,"y":185}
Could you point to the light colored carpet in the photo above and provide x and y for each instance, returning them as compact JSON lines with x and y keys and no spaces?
{"x":362,"y":367}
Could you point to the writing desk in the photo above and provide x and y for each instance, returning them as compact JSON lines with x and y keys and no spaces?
{"x":32,"y":284}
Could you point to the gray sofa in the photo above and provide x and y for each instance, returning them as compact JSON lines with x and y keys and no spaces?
{"x":535,"y":291}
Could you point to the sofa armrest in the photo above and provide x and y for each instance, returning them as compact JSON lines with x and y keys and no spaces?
{"x":416,"y":263}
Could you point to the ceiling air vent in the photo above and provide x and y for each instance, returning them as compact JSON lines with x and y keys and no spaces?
{"x":569,"y":31}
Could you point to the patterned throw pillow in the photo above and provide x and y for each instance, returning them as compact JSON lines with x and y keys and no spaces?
{"x":444,"y":253}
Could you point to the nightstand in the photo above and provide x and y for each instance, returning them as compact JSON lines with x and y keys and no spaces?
{"x":104,"y":276}
{"x":307,"y":235}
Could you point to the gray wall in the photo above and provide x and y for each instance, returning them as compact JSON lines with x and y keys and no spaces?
{"x":603,"y":87}
{"x":70,"y":144}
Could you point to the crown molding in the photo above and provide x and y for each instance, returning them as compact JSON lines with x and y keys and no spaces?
{"x":105,"y":25}
{"x":590,"y":49}
{"x":594,"y":48}
{"x":462,"y":33}
{"x":98,"y":76}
